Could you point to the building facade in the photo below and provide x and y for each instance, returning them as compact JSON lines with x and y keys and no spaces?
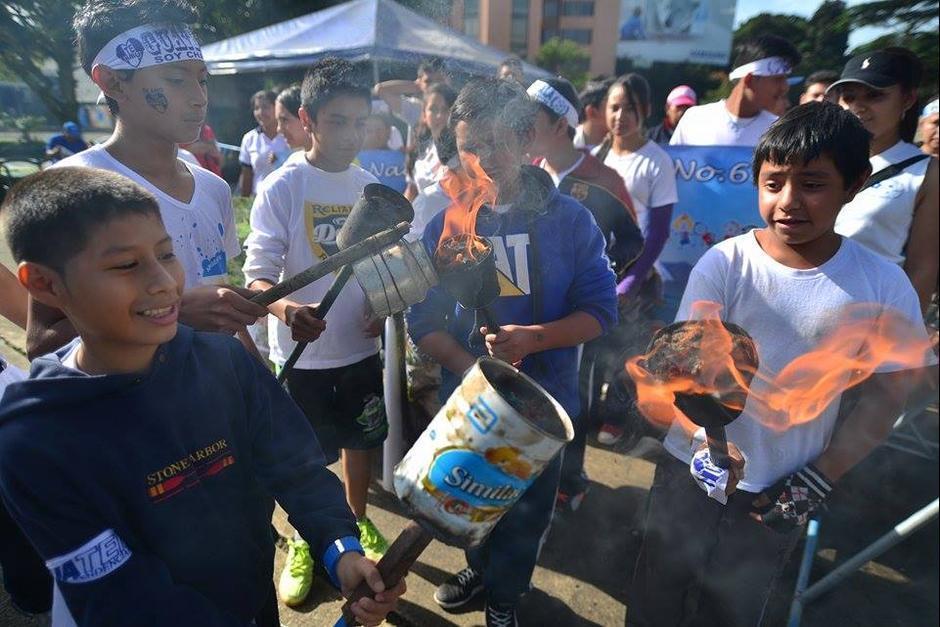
{"x":520,"y":27}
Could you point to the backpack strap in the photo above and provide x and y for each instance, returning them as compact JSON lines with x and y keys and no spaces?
{"x":892,"y":170}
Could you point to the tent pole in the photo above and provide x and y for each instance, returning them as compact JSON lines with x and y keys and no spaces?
{"x":375,"y":71}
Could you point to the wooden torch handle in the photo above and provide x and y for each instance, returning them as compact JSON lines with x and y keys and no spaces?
{"x":393,"y":566}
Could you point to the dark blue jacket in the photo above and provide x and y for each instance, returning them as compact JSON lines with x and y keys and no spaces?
{"x":150,"y":496}
{"x":573,"y":275}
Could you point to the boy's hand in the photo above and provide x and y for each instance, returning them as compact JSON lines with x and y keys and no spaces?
{"x":354,"y":568}
{"x":303,"y":322}
{"x":511,"y":344}
{"x":791,"y":501}
{"x":220,"y":308}
{"x":718,"y":483}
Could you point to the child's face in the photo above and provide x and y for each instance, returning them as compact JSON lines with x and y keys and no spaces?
{"x":124,"y":288}
{"x":499,"y":149}
{"x":545,"y":133}
{"x":800,"y":202}
{"x":377,"y":134}
{"x":879,"y":110}
{"x":340,"y":129}
{"x":169,"y":100}
{"x":623,"y":119}
{"x":263,"y":111}
{"x":436,"y":112}
{"x":290,"y":126}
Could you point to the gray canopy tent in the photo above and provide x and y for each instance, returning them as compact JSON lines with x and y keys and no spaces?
{"x":360,"y":30}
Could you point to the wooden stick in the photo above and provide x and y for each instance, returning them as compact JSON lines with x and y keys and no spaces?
{"x":394,"y":565}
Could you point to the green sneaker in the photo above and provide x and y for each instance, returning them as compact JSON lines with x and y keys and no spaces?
{"x":371,"y":539}
{"x":297,"y":576}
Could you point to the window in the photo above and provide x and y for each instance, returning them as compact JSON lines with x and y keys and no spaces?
{"x":578,"y":7}
{"x":577,"y":35}
{"x":550,"y":8}
{"x":548,"y":33}
{"x":471,"y":18}
{"x":519,"y":27}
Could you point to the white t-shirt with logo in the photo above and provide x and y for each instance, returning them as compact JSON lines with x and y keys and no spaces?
{"x":202,"y":230}
{"x":787,"y":312}
{"x":713,"y":125}
{"x":880,"y":216}
{"x":262,"y":154}
{"x":649,"y":175}
{"x":294,"y":220}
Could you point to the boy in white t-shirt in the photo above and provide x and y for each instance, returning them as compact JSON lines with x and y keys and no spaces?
{"x":158,"y":104}
{"x":294,"y":220}
{"x":790,"y":285}
{"x":761,"y":68}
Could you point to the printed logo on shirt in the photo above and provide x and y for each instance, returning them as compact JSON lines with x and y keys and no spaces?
{"x":98,"y":557}
{"x":323,"y":223}
{"x":514,"y":275}
{"x":189,"y":471}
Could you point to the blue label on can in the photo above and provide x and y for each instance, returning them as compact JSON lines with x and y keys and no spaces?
{"x":467,"y":475}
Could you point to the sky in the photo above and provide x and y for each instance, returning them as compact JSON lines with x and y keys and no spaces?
{"x":747,"y":9}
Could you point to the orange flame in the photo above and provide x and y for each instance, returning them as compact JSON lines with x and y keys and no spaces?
{"x":803,"y":389}
{"x":469,"y":188}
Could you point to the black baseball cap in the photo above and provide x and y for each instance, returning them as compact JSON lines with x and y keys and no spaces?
{"x":879,"y":69}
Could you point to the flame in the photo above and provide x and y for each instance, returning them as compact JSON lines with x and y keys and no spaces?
{"x":803,"y":389}
{"x":469,"y":188}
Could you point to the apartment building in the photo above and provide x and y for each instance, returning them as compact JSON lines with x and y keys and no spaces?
{"x":521,"y":26}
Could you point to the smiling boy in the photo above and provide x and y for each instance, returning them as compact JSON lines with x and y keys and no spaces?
{"x":148,"y":65}
{"x":141,"y":459}
{"x":789,"y":285}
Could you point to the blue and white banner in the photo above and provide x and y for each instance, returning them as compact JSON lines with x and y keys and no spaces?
{"x":676,"y":31}
{"x":717,"y":200}
{"x":386,"y":165}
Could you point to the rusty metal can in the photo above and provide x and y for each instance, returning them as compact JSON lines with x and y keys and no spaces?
{"x":483,"y":449}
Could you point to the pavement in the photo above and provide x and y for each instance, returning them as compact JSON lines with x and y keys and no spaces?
{"x":585,"y":565}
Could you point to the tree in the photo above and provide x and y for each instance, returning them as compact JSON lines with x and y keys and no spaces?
{"x":828,"y":37}
{"x":31,"y":32}
{"x":909,"y":15}
{"x":566,"y":58}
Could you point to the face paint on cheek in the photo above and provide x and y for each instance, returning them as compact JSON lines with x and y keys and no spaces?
{"x":156,"y":99}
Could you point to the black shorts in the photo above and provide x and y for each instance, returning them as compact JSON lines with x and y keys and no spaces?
{"x":344,"y":405}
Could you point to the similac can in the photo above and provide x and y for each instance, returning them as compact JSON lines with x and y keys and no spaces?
{"x":484,"y":448}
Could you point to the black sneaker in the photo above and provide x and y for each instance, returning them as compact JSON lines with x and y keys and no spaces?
{"x":459,"y":589}
{"x":501,"y":616}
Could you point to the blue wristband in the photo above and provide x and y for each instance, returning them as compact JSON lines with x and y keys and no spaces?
{"x":335,"y":551}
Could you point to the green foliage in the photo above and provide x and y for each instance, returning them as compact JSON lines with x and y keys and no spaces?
{"x":565,"y":58}
{"x":242,"y":208}
{"x":24,"y":124}
{"x":907,"y":15}
{"x":35,"y":31}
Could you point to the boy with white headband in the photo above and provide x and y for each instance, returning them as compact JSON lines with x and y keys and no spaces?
{"x":761,"y":67}
{"x":582,"y":176}
{"x":150,"y":70}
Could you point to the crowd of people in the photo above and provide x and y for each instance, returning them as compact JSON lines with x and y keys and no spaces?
{"x":140,"y":459}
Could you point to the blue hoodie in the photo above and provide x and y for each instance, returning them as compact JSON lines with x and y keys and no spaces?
{"x":150,"y":496}
{"x":573,"y":271}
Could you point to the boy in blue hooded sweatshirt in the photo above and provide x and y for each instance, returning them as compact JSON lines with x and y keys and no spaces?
{"x":557,"y":292}
{"x":143,"y":459}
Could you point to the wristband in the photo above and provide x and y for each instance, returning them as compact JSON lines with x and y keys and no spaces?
{"x":798,"y":497}
{"x":334,"y":551}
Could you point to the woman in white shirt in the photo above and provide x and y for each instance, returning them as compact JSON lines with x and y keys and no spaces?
{"x":424,"y":165}
{"x":650,"y":177}
{"x":262,"y":147}
{"x":897,"y":214}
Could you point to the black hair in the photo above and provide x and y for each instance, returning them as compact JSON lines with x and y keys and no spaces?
{"x":327,"y":79}
{"x":432,"y":65}
{"x":446,"y":145}
{"x":763,"y":47}
{"x":495,"y":100}
{"x":594,"y":93}
{"x":422,"y":134}
{"x":814,"y":129}
{"x":99,"y":21}
{"x":909,"y":84}
{"x":49,"y":217}
{"x":290,"y":98}
{"x":637,"y":91}
{"x":566,"y":89}
{"x":267,"y":95}
{"x":826,"y":77}
{"x":511,"y":61}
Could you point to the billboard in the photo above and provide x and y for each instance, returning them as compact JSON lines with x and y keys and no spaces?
{"x":675,"y":31}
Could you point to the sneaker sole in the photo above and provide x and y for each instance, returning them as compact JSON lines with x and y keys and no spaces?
{"x":456,"y":605}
